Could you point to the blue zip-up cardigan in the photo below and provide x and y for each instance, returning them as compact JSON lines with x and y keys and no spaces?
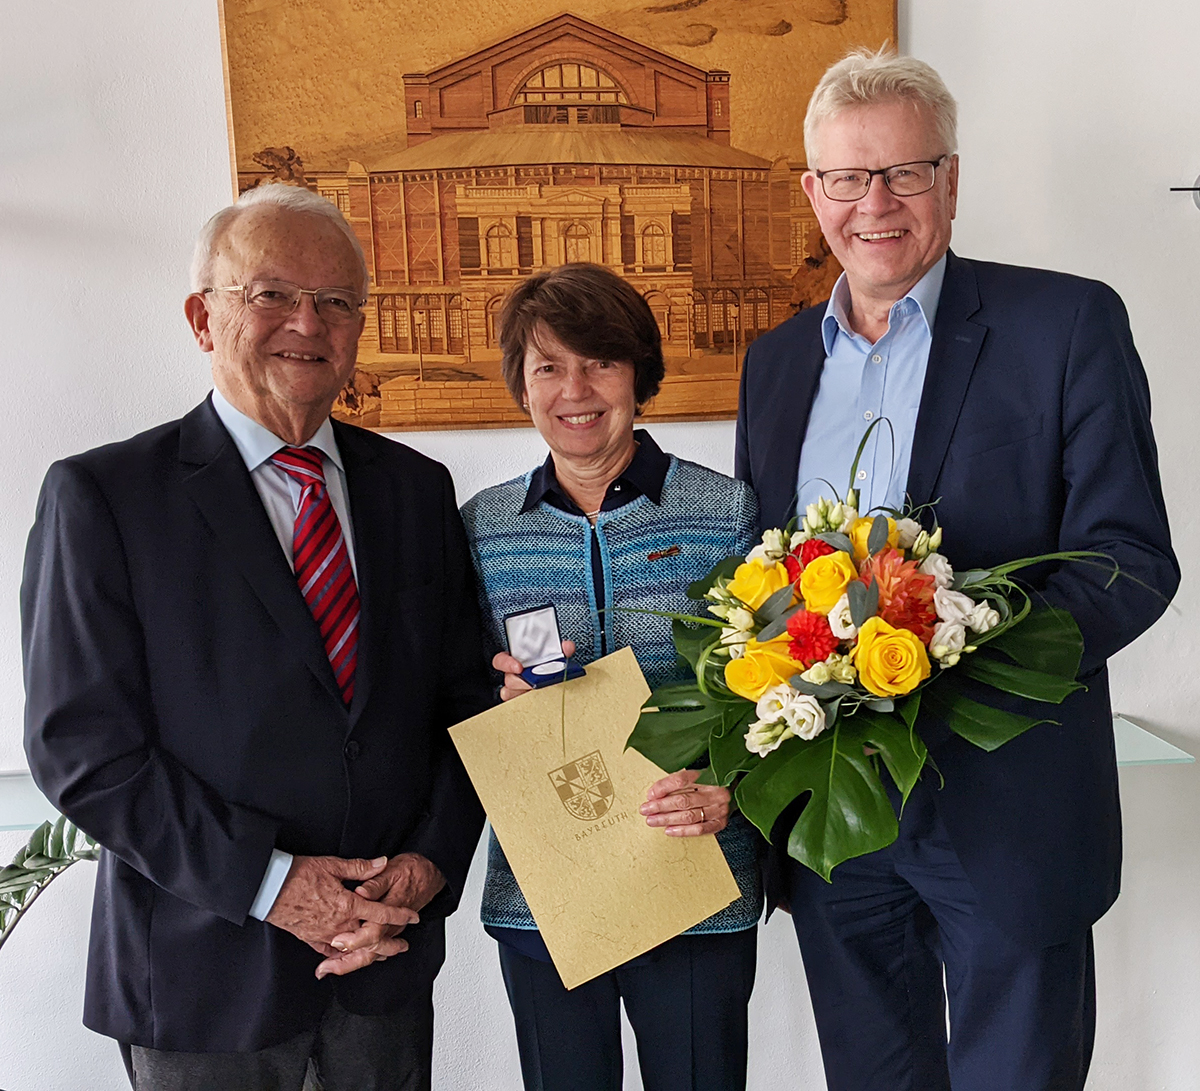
{"x":545,"y":556}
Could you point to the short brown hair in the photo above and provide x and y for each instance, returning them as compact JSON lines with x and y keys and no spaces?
{"x":593,"y":312}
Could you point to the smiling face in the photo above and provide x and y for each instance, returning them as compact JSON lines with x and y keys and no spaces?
{"x":284,"y":371}
{"x":583,"y":408}
{"x":884,"y":242}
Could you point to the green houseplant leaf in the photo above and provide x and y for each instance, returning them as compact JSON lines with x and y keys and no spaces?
{"x":1012,"y":678}
{"x":674,"y":727}
{"x":981,"y":725}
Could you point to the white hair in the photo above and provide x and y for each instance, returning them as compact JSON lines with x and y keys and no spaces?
{"x":866,"y":78}
{"x":276,"y":195}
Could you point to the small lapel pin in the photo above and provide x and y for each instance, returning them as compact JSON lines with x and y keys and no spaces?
{"x":659,"y":554}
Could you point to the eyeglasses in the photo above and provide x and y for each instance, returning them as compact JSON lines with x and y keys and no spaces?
{"x":280,"y":297}
{"x":904,"y":179}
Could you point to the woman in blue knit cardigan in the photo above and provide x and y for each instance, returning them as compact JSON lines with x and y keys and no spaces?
{"x":610,"y":521}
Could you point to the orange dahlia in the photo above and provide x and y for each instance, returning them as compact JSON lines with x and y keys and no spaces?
{"x":905,"y":593}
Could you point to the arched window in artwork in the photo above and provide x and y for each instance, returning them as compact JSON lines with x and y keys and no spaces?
{"x":393,"y":324}
{"x":654,"y":247}
{"x":570,"y":81}
{"x":660,"y":307}
{"x":429,"y":321}
{"x":500,"y":247}
{"x":577,"y":242}
{"x":756,"y":313}
{"x":723,"y":317}
{"x":492,"y":311}
{"x":418,"y":108}
{"x":699,"y":320}
{"x":454,"y":343}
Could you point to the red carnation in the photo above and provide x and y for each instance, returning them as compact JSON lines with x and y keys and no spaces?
{"x":792,"y":563}
{"x":812,"y":549}
{"x":905,"y":593}
{"x":812,"y":639}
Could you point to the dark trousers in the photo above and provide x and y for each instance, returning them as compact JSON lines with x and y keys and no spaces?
{"x":346,"y":1052}
{"x":686,"y":1002}
{"x":875,"y":943}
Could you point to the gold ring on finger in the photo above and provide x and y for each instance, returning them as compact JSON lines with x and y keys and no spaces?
{"x":702,"y":818}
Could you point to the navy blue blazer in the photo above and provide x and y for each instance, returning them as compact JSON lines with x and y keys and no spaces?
{"x":1033,"y":436}
{"x":181,"y":709}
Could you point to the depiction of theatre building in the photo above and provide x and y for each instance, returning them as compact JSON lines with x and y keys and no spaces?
{"x":568,"y":142}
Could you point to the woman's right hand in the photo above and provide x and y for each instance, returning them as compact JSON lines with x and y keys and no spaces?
{"x":514,"y":684}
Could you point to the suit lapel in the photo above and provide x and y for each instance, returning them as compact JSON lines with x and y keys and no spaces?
{"x":952,"y":356}
{"x":789,"y":399}
{"x":373,"y":513}
{"x":221,"y":488}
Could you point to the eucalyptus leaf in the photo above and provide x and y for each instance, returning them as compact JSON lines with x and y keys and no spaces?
{"x":779,"y":626}
{"x":839,"y":541}
{"x":676,"y":733}
{"x":878,"y":537}
{"x":775,"y":605}
{"x":881,"y":704}
{"x":722,"y":570}
{"x":847,"y":812}
{"x":856,"y":593}
{"x":970,"y":578}
{"x":822,"y":689}
{"x":1022,"y":681}
{"x":872,"y":598}
{"x":981,"y":725}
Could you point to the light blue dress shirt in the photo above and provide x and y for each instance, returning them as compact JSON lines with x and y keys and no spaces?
{"x":280,"y":495}
{"x":861,"y":383}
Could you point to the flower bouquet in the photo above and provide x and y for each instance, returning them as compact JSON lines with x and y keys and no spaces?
{"x":822,"y":645}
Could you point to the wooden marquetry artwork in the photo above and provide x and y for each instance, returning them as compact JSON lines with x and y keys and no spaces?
{"x":472,"y":143}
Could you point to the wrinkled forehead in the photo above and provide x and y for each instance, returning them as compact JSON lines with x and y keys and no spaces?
{"x":283,"y":244}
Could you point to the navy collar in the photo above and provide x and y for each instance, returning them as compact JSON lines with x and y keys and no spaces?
{"x":644,"y":476}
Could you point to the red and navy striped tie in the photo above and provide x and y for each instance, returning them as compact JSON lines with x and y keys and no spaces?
{"x":322,"y":564}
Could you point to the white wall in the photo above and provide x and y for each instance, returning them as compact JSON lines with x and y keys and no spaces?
{"x":1076,"y":118}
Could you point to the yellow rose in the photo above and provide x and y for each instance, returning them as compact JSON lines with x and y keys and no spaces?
{"x":754,"y":582}
{"x":860,"y":531}
{"x":825,"y":580}
{"x":760,"y":667}
{"x":891,"y":662}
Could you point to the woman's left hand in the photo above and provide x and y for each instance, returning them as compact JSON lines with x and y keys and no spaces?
{"x":685,"y":808}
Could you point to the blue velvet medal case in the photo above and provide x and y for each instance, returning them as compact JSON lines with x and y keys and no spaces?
{"x":535,"y":642}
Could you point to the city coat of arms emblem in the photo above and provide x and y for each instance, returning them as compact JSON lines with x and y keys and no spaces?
{"x":584,"y":787}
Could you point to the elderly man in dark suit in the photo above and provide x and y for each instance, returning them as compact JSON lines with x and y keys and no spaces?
{"x":1018,"y":403}
{"x":245,"y":635}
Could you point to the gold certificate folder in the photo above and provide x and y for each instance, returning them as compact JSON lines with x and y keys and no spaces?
{"x":562,"y":794}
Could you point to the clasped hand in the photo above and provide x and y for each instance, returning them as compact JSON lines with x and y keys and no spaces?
{"x":676,"y":803}
{"x":354,"y":928}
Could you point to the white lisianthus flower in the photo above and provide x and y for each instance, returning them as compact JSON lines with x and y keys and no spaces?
{"x":949,"y":639}
{"x":938,"y":567}
{"x":818,"y":674}
{"x":734,"y":641}
{"x":850,"y":519}
{"x":906,"y":532}
{"x":841,"y":668}
{"x":804,"y":716}
{"x":741,"y":618}
{"x":721,"y":610}
{"x":771,"y":704}
{"x":840,"y":622}
{"x":798,"y":539}
{"x":762,"y":738}
{"x":983,"y":618}
{"x":770,"y":550}
{"x":953,"y":606}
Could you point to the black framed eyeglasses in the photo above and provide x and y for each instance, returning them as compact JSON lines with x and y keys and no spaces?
{"x":903,"y":179}
{"x":281,"y":297}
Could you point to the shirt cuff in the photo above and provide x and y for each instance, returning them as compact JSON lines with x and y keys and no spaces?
{"x":268,"y":890}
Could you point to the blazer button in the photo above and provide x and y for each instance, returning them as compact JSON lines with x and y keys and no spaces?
{"x":352,"y":750}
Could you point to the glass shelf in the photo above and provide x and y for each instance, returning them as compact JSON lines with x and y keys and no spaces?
{"x":23,"y":807}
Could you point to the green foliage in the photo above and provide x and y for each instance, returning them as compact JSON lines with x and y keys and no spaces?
{"x":52,"y":849}
{"x":727,"y":744}
{"x":1011,"y":678}
{"x":674,"y":727}
{"x":1046,"y":640}
{"x":981,"y":725}
{"x":722,"y":570}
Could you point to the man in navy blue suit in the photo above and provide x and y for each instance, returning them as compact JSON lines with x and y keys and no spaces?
{"x":1016,"y":401}
{"x":245,"y":634}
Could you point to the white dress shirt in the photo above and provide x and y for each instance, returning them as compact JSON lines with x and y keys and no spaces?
{"x":280,"y":495}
